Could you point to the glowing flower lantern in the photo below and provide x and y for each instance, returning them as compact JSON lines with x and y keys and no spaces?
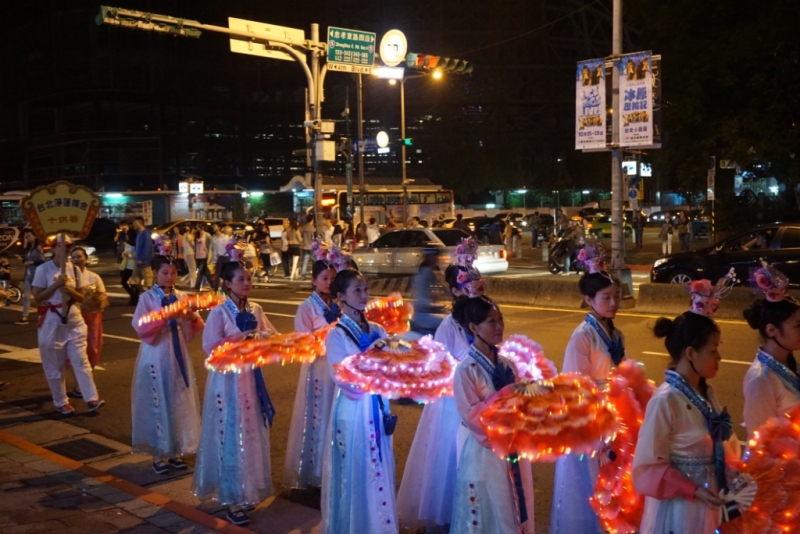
{"x":193,"y":303}
{"x":236,"y":355}
{"x":545,"y":419}
{"x":528,"y":358}
{"x":617,"y":504}
{"x":421,"y":370}
{"x":773,"y":461}
{"x":392,"y":313}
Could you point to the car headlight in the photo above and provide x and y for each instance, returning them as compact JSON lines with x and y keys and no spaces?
{"x":659,"y":262}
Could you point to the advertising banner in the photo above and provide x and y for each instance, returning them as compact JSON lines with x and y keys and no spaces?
{"x":636,"y":99}
{"x":590,"y":104}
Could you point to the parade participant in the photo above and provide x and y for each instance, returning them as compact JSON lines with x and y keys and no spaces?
{"x":679,"y":463}
{"x":595,"y":347}
{"x":34,"y":256}
{"x":166,"y":408}
{"x":62,"y":331}
{"x":358,"y":486}
{"x":772,"y":385}
{"x":203,"y":249}
{"x":492,"y":494}
{"x":233,"y":465}
{"x":94,"y":302}
{"x":426,"y":492}
{"x":314,"y":398}
{"x":188,"y":245}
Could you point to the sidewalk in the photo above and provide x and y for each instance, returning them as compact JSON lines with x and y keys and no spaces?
{"x":107,"y":489}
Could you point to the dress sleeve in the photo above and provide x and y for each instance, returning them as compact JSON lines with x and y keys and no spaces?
{"x":39,"y":279}
{"x":471,"y":400}
{"x":214,"y":331}
{"x":652,"y":473}
{"x":264,"y":325}
{"x":578,"y":355}
{"x":150,"y":331}
{"x":304,"y":318}
{"x":337,"y":348}
{"x":760,"y":403}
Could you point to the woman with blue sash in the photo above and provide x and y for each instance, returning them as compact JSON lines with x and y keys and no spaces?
{"x":686,"y":436}
{"x":492,"y":495}
{"x":772,"y":385}
{"x":233,"y":464}
{"x":425,"y":498}
{"x":358,"y":484}
{"x":165,"y":405}
{"x":595,"y":348}
{"x":314,"y":398}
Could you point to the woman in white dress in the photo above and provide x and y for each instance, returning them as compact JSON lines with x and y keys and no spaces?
{"x":772,"y":385}
{"x":679,"y":463}
{"x":493,"y":495}
{"x":315,"y":389}
{"x":166,"y":408}
{"x":233,"y":465}
{"x":358,"y":492}
{"x":425,"y":498}
{"x":594,"y":349}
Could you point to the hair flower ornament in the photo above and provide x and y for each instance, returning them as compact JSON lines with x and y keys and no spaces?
{"x":593,"y":258}
{"x":770,"y":281}
{"x":705,"y":297}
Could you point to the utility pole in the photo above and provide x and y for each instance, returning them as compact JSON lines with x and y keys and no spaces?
{"x":361,"y":145}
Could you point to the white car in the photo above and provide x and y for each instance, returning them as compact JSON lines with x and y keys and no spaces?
{"x":399,"y":252}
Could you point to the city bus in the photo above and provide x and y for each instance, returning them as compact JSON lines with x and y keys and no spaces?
{"x":386,"y":203}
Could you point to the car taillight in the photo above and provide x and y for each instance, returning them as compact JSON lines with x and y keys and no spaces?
{"x":502,"y":254}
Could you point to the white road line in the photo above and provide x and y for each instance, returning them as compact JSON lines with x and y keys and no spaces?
{"x":280,"y":314}
{"x":723,"y":361}
{"x":21,"y":355}
{"x":123,"y":338}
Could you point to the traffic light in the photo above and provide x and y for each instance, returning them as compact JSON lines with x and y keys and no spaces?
{"x":407,"y":141}
{"x":445,"y":64}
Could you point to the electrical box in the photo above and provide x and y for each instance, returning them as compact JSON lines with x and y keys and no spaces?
{"x":325,"y":150}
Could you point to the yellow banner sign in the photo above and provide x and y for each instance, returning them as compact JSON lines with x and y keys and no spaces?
{"x":61,"y":207}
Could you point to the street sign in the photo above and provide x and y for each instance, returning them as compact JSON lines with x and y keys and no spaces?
{"x":351,"y":50}
{"x":242,"y":45}
{"x":393,"y":48}
{"x":61,"y":207}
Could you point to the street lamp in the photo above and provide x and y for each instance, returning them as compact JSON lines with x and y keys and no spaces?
{"x":394,"y":74}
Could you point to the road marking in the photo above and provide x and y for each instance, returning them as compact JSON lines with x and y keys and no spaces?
{"x":123,"y":338}
{"x":723,"y":361}
{"x":126,"y":315}
{"x":280,"y":314}
{"x":21,"y":355}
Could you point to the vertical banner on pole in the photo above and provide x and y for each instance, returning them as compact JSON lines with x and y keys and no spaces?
{"x":636,"y":99}
{"x":590,"y":104}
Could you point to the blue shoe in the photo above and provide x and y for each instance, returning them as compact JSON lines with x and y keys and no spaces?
{"x":160,"y":468}
{"x":238,"y":517}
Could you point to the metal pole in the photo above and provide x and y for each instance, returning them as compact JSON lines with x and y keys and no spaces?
{"x":360,"y":149}
{"x":617,"y":235}
{"x":316,"y":114}
{"x":403,"y":148}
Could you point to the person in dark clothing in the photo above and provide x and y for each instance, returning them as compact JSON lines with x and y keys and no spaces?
{"x":461,"y":224}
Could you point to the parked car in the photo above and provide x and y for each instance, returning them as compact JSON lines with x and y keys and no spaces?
{"x":777,"y":243}
{"x":399,"y":252}
{"x":600,"y":226}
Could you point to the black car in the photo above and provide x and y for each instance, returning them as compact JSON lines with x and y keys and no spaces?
{"x":777,"y":243}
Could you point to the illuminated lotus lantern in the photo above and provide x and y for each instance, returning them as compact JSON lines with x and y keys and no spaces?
{"x":189,"y":303}
{"x":617,"y":504}
{"x":421,"y":370}
{"x":545,"y":419}
{"x":237,"y":355}
{"x":528,"y":358}
{"x":392,"y":313}
{"x":773,"y":462}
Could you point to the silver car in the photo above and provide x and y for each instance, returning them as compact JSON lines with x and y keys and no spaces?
{"x":399,"y":252}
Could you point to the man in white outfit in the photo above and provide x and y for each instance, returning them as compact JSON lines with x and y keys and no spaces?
{"x":62,"y":331}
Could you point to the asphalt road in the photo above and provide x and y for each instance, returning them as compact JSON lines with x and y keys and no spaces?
{"x":19,"y":365}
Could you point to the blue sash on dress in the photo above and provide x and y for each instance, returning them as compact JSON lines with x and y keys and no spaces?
{"x":245,"y":321}
{"x":502,"y":375}
{"x":331,"y":313}
{"x":614,"y":347}
{"x":173,"y":329}
{"x":780,"y":369}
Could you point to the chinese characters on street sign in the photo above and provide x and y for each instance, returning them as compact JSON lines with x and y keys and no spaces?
{"x":636,"y":99}
{"x":61,"y":207}
{"x":350,"y":50}
{"x":590,"y":104}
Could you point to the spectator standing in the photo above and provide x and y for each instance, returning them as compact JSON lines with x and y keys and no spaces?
{"x":308,"y":232}
{"x":665,"y":235}
{"x":286,"y":256}
{"x":295,"y":246}
{"x":683,"y":232}
{"x":535,"y":223}
{"x":34,"y":256}
{"x":638,"y":226}
{"x":202,"y":249}
{"x":188,"y":257}
{"x":327,"y":232}
{"x":126,"y":268}
{"x":338,"y":230}
{"x":143,"y":272}
{"x":461,"y":224}
{"x":121,"y":238}
{"x":220,"y":243}
{"x":373,"y":232}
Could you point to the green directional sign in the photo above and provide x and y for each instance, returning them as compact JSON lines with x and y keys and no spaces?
{"x":350,"y":50}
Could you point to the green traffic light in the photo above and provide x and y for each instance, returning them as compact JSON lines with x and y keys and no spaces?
{"x":407,"y":142}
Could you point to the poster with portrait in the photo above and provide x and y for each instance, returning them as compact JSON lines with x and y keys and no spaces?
{"x":636,"y":99}
{"x":590,"y":104}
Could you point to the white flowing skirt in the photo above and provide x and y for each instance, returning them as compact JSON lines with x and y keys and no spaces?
{"x":571,"y":511}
